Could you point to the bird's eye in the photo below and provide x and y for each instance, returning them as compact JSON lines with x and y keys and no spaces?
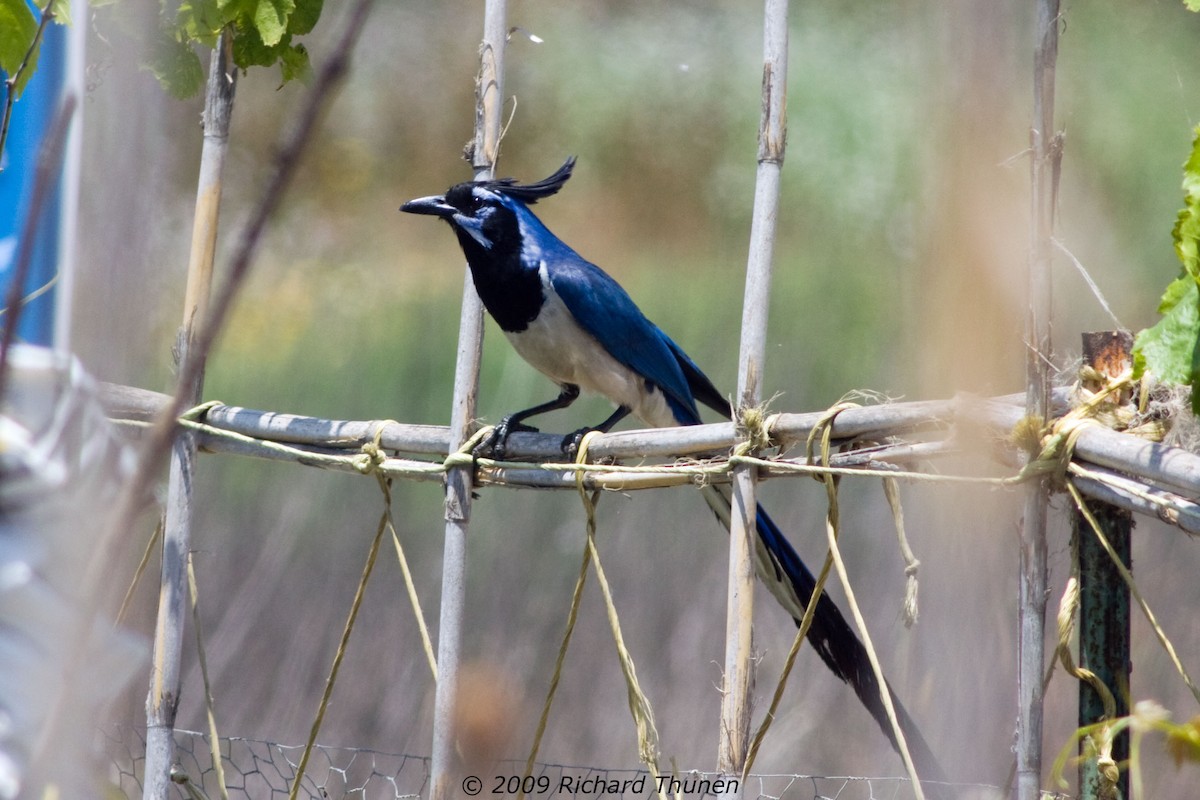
{"x":476,"y":202}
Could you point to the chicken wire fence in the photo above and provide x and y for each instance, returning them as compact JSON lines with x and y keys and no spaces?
{"x":255,"y":768}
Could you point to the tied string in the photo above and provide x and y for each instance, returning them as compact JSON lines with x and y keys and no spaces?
{"x":818,"y":449}
{"x":810,"y":608}
{"x":371,"y":459}
{"x":1100,"y":738}
{"x":909,"y":609}
{"x":755,"y":426}
{"x":1100,"y":410}
{"x":823,"y":432}
{"x":639,"y":704}
{"x":374,"y":456}
{"x":1055,"y":446}
{"x":465,"y":455}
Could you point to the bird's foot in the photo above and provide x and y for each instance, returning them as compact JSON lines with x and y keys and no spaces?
{"x":571,"y":442}
{"x":496,"y":445}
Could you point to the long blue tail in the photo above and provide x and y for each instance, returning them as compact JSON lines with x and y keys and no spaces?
{"x":791,"y":583}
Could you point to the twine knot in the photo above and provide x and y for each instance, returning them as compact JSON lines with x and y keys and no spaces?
{"x":756,"y":425}
{"x":372,"y":455}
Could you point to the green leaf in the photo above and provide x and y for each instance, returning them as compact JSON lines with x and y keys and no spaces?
{"x":249,"y":50}
{"x":307,"y":12}
{"x":1187,"y":226}
{"x":271,"y":19}
{"x":18,"y":27}
{"x":201,"y":21}
{"x":62,"y":11}
{"x":1171,"y":349}
{"x":1183,"y":741}
{"x":232,"y":9}
{"x":294,"y":64}
{"x":176,"y":66}
{"x":1192,"y":5}
{"x":1168,"y":350}
{"x":262,"y":36}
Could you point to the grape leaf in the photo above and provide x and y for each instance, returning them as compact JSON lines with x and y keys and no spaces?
{"x":1169,"y":350}
{"x":176,"y":66}
{"x":61,"y":10}
{"x":250,"y":51}
{"x":271,"y":19}
{"x":307,"y":12}
{"x":18,"y":26}
{"x":262,"y":36}
{"x":294,"y":64}
{"x":200,"y":21}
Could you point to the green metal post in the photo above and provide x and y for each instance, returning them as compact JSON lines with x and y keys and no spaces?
{"x":1104,"y":598}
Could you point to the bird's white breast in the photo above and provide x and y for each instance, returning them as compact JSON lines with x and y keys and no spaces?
{"x":558,"y":347}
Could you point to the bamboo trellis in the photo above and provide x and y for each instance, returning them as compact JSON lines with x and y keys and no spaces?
{"x":1121,"y":469}
{"x":899,"y":438}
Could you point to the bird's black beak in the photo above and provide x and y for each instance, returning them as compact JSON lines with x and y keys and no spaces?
{"x":434,"y":205}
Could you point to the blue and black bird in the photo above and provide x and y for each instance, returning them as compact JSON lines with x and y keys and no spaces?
{"x":575,"y":324}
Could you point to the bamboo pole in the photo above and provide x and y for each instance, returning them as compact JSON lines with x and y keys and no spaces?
{"x":1166,"y":486}
{"x":489,"y":102}
{"x":157,"y":446}
{"x":68,"y":237}
{"x":1032,"y":586}
{"x":772,"y":141}
{"x":163,"y":698}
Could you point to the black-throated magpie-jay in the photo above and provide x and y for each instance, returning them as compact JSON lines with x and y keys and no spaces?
{"x":575,"y":324}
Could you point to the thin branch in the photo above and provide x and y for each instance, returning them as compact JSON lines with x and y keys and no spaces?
{"x":158,"y":444}
{"x":10,"y":96}
{"x":1092,"y":285}
{"x":44,"y":175}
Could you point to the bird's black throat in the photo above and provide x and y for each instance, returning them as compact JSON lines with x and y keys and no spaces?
{"x":510,"y":291}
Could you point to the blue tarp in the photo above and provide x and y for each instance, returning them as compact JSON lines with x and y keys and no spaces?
{"x":32,"y":117}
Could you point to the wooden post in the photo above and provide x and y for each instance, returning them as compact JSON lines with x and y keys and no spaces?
{"x":1103,"y":595}
{"x":772,"y":138}
{"x":489,"y":102}
{"x":163,"y":698}
{"x":1032,"y":586}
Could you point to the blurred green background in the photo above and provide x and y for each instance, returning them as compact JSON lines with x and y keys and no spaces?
{"x":899,"y":268}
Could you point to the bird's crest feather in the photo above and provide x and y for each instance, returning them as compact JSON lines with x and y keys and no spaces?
{"x":530,"y":193}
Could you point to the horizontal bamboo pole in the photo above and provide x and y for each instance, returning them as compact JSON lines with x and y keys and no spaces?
{"x":1144,"y":477}
{"x":887,"y":419}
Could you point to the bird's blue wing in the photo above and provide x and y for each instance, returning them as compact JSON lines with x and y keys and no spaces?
{"x":702,"y":388}
{"x":607,"y":312}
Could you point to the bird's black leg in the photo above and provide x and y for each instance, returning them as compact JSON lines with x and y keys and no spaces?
{"x":570,"y":442}
{"x":514,"y":422}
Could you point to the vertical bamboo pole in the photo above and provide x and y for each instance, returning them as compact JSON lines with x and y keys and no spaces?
{"x":489,"y":102}
{"x":1032,"y":579}
{"x":163,"y":698}
{"x":772,"y":141}
{"x":1103,"y":594}
{"x":68,"y":230}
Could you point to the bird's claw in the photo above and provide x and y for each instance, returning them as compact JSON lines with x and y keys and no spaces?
{"x":571,"y":442}
{"x":495,"y":446}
